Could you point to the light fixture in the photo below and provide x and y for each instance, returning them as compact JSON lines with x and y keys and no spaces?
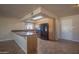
{"x":37,"y":17}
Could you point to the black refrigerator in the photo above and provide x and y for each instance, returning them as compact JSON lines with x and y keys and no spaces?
{"x":44,"y":31}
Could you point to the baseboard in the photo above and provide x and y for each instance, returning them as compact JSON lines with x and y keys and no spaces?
{"x":5,"y":39}
{"x":70,"y":40}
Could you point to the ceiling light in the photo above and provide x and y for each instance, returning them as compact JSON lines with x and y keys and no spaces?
{"x":37,"y":17}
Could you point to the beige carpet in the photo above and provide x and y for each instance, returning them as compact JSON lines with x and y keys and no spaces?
{"x":57,"y":47}
{"x":10,"y":47}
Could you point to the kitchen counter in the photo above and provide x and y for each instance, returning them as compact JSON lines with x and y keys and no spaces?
{"x":24,"y":33}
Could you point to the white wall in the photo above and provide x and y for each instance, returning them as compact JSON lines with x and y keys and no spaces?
{"x":7,"y":24}
{"x":66,"y":28}
{"x":58,"y":27}
{"x":76,"y":28}
{"x":21,"y":41}
{"x":70,"y":28}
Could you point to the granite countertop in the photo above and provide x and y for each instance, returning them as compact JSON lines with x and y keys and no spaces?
{"x":21,"y":30}
{"x":24,"y":33}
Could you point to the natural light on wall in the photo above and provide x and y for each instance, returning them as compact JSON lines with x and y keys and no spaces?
{"x":29,"y":26}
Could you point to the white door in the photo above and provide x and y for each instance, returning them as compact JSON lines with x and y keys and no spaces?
{"x":66,"y":29}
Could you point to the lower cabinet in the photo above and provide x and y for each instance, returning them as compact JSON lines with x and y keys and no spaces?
{"x":31,"y":44}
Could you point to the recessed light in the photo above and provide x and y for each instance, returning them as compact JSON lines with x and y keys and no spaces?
{"x":37,"y":17}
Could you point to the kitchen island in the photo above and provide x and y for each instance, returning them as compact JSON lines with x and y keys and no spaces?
{"x":26,"y":40}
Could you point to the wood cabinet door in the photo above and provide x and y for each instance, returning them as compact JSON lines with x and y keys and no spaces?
{"x":32,"y":44}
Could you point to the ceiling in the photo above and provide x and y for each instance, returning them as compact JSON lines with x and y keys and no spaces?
{"x":19,"y":10}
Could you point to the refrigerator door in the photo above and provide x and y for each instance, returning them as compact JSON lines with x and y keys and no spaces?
{"x":44,"y":31}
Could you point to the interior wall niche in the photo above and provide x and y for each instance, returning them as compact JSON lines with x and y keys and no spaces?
{"x":51,"y":26}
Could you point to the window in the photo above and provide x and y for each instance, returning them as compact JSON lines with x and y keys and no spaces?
{"x":29,"y":26}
